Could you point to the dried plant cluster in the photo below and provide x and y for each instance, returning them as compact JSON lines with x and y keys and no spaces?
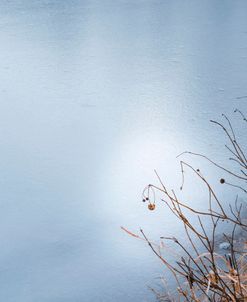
{"x":202,"y":273}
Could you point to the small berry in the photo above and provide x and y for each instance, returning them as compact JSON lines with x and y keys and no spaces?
{"x":147,"y":198}
{"x":222,"y":181}
{"x":144,"y":200}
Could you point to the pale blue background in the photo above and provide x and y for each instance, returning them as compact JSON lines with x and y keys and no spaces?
{"x":93,"y":96}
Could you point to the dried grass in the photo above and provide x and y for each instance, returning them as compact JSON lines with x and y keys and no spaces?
{"x":207,"y":275}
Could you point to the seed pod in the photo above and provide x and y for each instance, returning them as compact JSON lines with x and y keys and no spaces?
{"x":151,"y":206}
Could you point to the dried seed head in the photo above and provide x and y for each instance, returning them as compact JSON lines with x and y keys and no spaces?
{"x":151,"y":206}
{"x":222,"y":181}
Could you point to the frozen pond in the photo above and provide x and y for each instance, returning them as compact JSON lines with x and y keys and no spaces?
{"x":94,"y":95}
